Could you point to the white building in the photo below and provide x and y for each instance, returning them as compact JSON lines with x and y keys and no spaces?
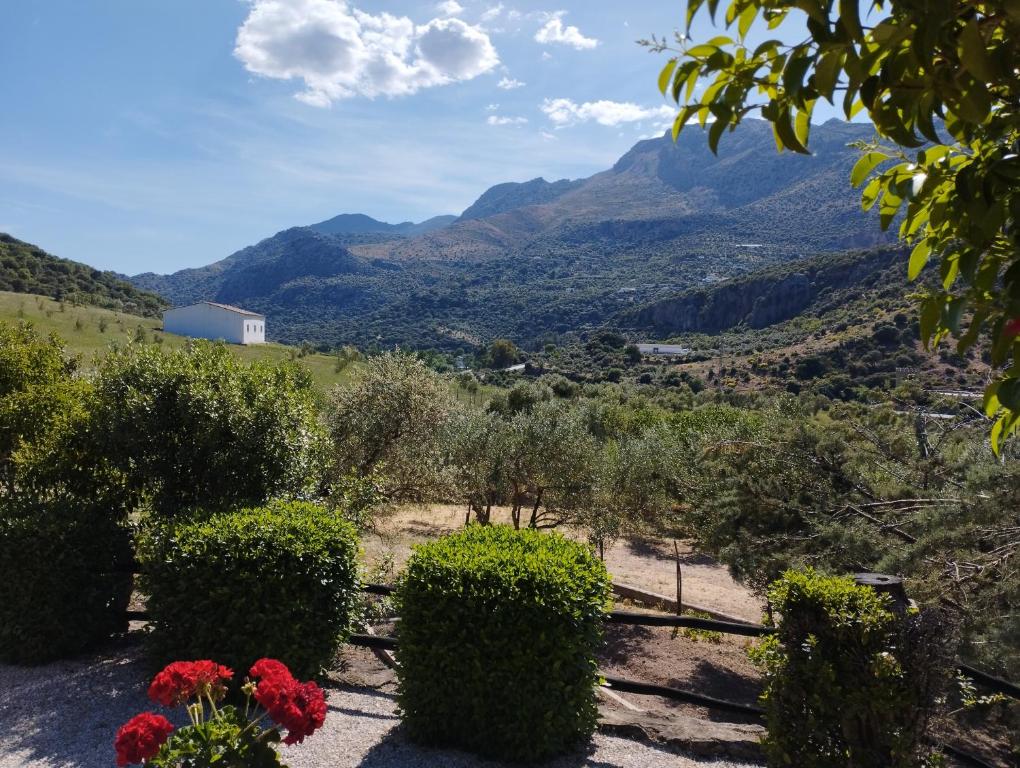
{"x":663,"y":349}
{"x":208,"y":320}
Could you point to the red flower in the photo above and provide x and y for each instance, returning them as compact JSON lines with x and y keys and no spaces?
{"x":1012,"y":328}
{"x":181,"y":680}
{"x":298,"y":707}
{"x":270,"y":669}
{"x":141,"y":737}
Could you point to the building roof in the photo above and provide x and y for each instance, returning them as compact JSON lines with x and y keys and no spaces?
{"x":228,"y":307}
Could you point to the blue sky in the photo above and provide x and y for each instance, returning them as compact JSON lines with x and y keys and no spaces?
{"x":142,"y":135}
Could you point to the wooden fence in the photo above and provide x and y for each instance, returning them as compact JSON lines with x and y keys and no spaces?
{"x":623,"y":685}
{"x":745,"y":629}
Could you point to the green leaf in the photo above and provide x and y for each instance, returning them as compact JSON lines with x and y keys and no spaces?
{"x":850,"y":15}
{"x":973,"y":54}
{"x":746,"y":19}
{"x":665,"y":77}
{"x":714,"y":133}
{"x":826,"y":74}
{"x":1009,"y":394}
{"x":918,"y":258}
{"x":1003,"y":428}
{"x":870,"y":193}
{"x":868,"y":162}
{"x":786,"y":137}
{"x":931,"y":311}
{"x":802,"y":125}
{"x":991,"y":399}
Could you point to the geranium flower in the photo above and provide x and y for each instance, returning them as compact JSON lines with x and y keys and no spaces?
{"x":181,"y":680}
{"x":298,"y":707}
{"x":141,"y":737}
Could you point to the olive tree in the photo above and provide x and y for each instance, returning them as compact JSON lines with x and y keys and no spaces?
{"x":939,"y":82}
{"x":634,"y":487}
{"x":389,"y":423}
{"x":477,"y":456}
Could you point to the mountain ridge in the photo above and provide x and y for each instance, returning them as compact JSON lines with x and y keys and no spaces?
{"x":537,"y":258}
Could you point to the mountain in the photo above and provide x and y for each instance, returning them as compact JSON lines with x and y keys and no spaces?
{"x":359,"y":224}
{"x":505,"y":197}
{"x":26,"y":268}
{"x":536,"y":259}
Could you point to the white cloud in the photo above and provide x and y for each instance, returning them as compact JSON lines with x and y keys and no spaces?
{"x":492,"y":12}
{"x":548,"y":136}
{"x":553,"y":31}
{"x":340,"y":52}
{"x":546,"y":56}
{"x":450,"y":8}
{"x":503,"y":120}
{"x":509,"y":83}
{"x":492,"y":108}
{"x":564,"y":112}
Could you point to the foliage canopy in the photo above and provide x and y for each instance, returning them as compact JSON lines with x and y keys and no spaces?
{"x":938,"y":80}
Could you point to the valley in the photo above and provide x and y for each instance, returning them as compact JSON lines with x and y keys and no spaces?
{"x":535,"y":261}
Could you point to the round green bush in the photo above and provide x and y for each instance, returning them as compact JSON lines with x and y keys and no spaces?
{"x":848,"y":682}
{"x":278,"y":581}
{"x":497,"y":641}
{"x":64,"y":585}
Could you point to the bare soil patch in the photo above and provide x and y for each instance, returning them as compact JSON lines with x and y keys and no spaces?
{"x":646,"y":563}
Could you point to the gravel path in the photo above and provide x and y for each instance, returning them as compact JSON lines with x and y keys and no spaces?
{"x":66,"y":714}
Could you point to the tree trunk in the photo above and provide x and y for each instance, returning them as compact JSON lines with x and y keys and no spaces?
{"x":534,"y":510}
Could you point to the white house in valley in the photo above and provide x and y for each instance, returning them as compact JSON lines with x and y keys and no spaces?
{"x":209,"y":320}
{"x":668,"y":350}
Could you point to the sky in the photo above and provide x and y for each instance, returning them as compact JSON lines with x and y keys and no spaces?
{"x":154,"y":135}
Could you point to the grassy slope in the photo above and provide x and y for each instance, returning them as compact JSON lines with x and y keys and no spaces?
{"x":79,"y":328}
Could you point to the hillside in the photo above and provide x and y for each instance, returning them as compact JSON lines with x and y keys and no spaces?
{"x":26,"y":268}
{"x":90,"y":330}
{"x":769,"y":296}
{"x":537,"y":259}
{"x":839,"y":325}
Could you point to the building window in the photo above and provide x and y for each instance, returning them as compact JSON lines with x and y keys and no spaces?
{"x":247,"y":328}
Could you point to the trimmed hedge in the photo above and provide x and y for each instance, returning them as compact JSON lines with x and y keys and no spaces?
{"x":64,"y":585}
{"x":278,"y":581}
{"x":498,"y":634}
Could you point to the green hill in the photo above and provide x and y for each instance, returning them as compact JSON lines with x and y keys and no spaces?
{"x":26,"y":268}
{"x":90,"y":330}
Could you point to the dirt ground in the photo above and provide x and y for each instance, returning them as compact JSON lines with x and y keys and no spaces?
{"x":649,"y":564}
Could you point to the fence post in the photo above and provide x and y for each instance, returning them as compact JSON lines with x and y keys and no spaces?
{"x":679,"y":581}
{"x":886,"y":584}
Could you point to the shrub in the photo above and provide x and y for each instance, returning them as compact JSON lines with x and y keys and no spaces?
{"x":847,"y":681}
{"x":276,"y":581}
{"x":196,"y":428}
{"x":64,"y":584}
{"x":498,"y":635}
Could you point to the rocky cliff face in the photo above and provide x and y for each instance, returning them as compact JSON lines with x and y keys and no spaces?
{"x":758,"y":301}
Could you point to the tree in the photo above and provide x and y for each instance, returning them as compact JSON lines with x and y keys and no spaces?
{"x":389,"y":422}
{"x":632,"y":488}
{"x":197,"y":429}
{"x":35,"y":383}
{"x":477,"y":456}
{"x":503,"y":353}
{"x":938,"y":80}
